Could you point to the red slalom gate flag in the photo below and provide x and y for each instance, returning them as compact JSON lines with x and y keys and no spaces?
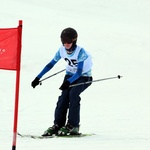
{"x":10,"y":59}
{"x":10,"y":48}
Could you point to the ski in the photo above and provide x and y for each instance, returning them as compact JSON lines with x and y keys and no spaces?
{"x":75,"y":136}
{"x":53,"y":136}
{"x":35,"y":136}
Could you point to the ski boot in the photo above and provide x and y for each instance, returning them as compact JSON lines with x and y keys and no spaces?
{"x":51,"y":131}
{"x":68,"y":130}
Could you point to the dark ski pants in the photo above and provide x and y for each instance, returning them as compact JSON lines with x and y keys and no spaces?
{"x":69,"y":103}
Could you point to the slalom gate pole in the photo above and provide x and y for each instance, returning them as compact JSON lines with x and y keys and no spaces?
{"x":118,"y":77}
{"x":16,"y":107}
{"x":51,"y":76}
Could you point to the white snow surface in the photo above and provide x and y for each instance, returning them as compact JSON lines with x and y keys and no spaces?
{"x":117,"y":34}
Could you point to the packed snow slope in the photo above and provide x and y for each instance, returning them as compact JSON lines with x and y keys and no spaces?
{"x":117,"y":34}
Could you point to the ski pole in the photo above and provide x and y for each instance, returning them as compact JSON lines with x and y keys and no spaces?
{"x":118,"y":77}
{"x":51,"y":76}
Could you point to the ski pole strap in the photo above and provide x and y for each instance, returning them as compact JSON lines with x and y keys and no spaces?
{"x":118,"y":77}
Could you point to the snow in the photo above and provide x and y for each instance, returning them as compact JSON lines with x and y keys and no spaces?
{"x":117,"y":34}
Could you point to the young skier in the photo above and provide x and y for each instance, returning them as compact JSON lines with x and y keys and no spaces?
{"x":78,"y":70}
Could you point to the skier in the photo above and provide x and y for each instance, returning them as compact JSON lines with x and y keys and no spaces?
{"x":78,"y":70}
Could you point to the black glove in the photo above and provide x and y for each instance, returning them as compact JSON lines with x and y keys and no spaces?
{"x":65,"y":85}
{"x":35,"y":82}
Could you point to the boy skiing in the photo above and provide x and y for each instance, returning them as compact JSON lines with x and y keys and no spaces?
{"x":78,"y":70}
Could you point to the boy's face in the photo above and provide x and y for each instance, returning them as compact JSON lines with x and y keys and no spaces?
{"x":67,"y":45}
